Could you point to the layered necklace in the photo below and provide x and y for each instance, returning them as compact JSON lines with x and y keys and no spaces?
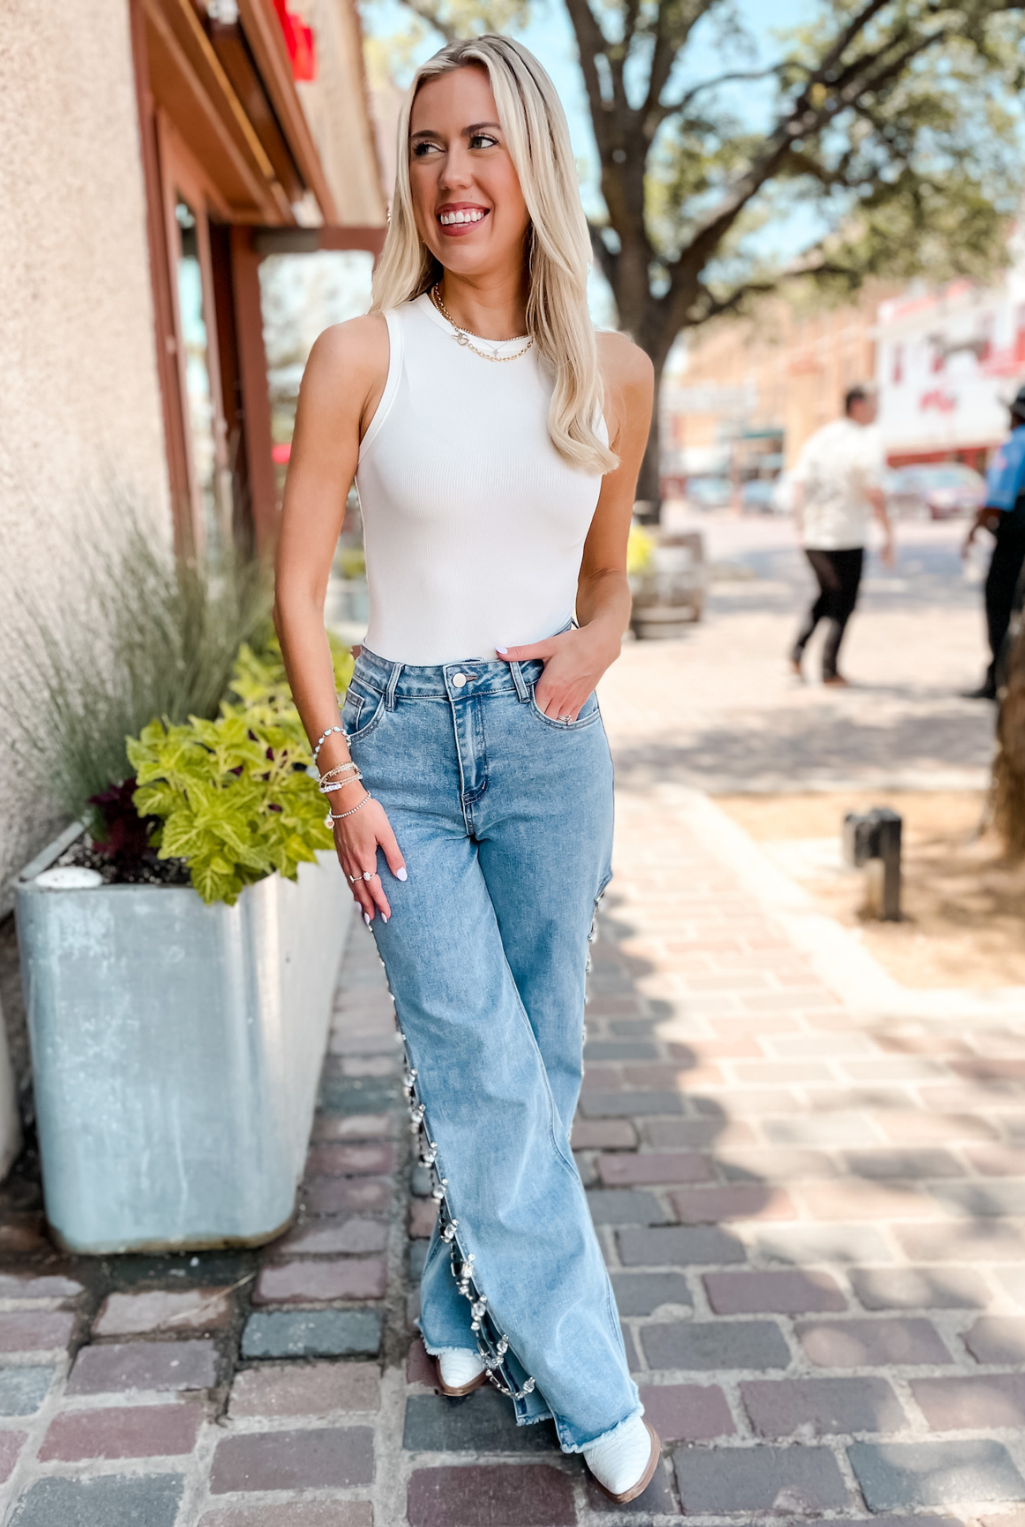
{"x":466,"y":337}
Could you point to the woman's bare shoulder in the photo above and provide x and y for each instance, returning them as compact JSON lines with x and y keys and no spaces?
{"x":623,"y":363}
{"x":345,"y":374}
{"x":629,"y":379}
{"x":359,"y":344}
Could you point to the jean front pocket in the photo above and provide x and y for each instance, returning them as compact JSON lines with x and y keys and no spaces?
{"x":362,"y":710}
{"x":589,"y":714}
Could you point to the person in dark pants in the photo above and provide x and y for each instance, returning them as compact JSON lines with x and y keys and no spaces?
{"x":1003,"y":514}
{"x":837,"y":489}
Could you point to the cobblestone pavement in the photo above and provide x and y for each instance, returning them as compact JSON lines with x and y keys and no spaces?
{"x":815,"y":1224}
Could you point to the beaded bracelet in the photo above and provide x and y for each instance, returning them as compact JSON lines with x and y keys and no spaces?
{"x":337,"y":816}
{"x":323,"y":738}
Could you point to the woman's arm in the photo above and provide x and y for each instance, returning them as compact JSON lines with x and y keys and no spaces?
{"x":341,"y":388}
{"x":576,"y":660}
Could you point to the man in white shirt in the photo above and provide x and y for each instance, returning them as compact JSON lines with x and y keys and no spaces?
{"x":837,"y":489}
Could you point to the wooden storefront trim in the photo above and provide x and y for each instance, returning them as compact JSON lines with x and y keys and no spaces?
{"x":175,"y":425}
{"x":263,"y":34}
{"x":255,"y":396}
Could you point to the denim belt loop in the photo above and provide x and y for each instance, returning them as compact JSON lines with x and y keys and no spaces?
{"x":522,"y":692}
{"x":393,"y":684}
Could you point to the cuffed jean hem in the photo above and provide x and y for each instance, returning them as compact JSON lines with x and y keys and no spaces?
{"x":580,"y":1447}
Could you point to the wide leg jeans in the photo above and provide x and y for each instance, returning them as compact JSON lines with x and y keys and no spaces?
{"x":504,"y":817}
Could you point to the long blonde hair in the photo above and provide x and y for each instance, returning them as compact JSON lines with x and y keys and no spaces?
{"x":558,"y":246}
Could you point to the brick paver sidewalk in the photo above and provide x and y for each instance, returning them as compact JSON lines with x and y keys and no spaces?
{"x":815,"y":1225}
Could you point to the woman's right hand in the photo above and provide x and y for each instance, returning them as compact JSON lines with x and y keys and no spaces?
{"x":357,"y":839}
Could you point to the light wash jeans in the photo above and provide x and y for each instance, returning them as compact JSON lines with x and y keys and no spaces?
{"x":504,"y":817}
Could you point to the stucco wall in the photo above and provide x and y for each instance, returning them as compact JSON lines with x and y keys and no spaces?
{"x":79,"y":395}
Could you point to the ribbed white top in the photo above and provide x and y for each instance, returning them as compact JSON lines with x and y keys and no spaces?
{"x":474,"y":524}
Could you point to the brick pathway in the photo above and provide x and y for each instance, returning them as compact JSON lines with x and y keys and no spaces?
{"x":815,"y":1225}
{"x":815,"y":1221}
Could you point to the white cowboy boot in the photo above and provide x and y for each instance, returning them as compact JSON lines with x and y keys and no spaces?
{"x":624,"y":1464}
{"x":460,"y":1371}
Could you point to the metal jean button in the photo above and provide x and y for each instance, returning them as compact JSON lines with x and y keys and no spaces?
{"x":459,"y":679}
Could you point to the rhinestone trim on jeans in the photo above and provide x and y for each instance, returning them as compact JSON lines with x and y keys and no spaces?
{"x":492,"y":1344}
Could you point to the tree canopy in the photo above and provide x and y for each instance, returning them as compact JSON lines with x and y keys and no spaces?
{"x":893,"y":126}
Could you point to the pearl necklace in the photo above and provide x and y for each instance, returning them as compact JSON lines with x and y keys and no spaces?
{"x":464,"y":336}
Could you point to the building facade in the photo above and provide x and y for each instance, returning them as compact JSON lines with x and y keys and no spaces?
{"x":154,"y":152}
{"x":753,"y":390}
{"x":948,"y":361}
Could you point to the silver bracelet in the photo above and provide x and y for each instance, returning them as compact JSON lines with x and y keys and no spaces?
{"x":337,"y":816}
{"x":343,"y":768}
{"x":330,"y":786}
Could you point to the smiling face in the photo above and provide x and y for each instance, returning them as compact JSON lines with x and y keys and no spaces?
{"x":467,"y":200}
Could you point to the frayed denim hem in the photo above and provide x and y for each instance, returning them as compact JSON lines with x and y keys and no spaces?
{"x":544,"y":1415}
{"x":433,"y":1351}
{"x":579,"y":1447}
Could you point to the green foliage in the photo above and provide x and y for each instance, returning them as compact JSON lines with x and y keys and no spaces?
{"x":146,"y":636}
{"x":639,"y":549}
{"x":260,"y":684}
{"x":233,"y":799}
{"x":352,"y":561}
{"x":891,"y":129}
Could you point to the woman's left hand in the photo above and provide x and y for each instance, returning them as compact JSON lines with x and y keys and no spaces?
{"x":574,"y":662}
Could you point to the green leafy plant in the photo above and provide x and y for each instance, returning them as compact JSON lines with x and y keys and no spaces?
{"x":232,"y":797}
{"x":639,"y":550}
{"x":260,"y":684}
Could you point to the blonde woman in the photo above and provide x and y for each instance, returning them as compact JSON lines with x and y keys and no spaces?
{"x":495,"y":442}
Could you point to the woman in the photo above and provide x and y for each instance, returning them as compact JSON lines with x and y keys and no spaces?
{"x":495,"y":443}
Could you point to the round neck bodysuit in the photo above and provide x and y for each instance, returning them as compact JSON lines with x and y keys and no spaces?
{"x":474,"y":525}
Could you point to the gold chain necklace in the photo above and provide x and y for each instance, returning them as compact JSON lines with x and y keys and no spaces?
{"x":463,"y":336}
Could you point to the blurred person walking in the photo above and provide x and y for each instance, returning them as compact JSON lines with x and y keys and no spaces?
{"x":495,"y":441}
{"x":837,"y":488}
{"x":1003,"y":515}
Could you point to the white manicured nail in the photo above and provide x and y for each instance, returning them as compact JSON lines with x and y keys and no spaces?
{"x":400,"y":874}
{"x":366,"y":918}
{"x":502,"y":649}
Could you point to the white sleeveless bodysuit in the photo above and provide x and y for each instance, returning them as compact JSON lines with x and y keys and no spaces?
{"x":474,"y":525}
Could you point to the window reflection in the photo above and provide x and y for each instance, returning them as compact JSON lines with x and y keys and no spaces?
{"x":197,"y":374}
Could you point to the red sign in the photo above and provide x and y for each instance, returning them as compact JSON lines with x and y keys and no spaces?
{"x":299,"y":42}
{"x":943,"y":402}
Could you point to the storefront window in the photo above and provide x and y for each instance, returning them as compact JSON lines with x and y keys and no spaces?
{"x":196,"y":368}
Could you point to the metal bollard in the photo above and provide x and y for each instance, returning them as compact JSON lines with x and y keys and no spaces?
{"x":872,"y":839}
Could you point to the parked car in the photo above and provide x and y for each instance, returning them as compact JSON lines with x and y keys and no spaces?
{"x":709,"y":492}
{"x":941,"y":492}
{"x":756,"y":495}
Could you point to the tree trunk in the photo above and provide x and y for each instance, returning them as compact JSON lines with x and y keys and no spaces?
{"x":648,"y":497}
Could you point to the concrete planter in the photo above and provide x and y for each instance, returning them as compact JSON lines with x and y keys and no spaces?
{"x":670,"y":594}
{"x":176,"y":1051}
